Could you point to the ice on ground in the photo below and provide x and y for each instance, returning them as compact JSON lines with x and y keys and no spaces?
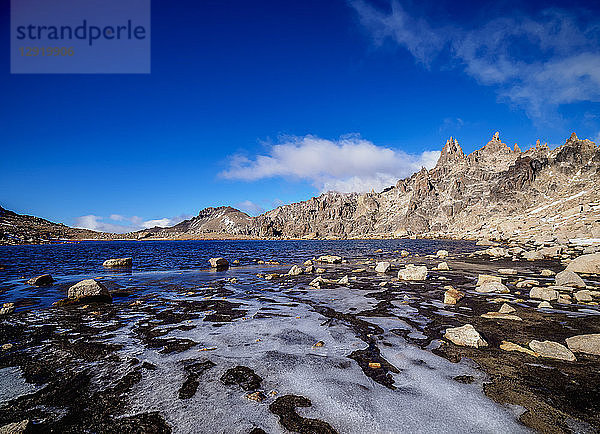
{"x":13,"y":384}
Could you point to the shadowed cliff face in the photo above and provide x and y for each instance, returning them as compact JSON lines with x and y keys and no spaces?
{"x":494,"y":192}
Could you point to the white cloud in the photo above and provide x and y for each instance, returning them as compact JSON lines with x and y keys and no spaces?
{"x":129,"y":224}
{"x":250,"y":208}
{"x":348,"y":164}
{"x":537,"y":63}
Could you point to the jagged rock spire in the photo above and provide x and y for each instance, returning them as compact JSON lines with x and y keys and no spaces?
{"x":450,"y":152}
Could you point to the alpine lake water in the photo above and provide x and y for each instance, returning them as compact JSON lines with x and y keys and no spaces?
{"x":186,"y":349}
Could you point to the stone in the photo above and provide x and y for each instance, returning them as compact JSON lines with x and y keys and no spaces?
{"x":89,"y":289}
{"x":295,"y":271}
{"x":383,"y":267}
{"x":443,"y":266}
{"x":583,"y":296}
{"x":482,"y":278}
{"x":320,"y":270}
{"x":492,"y":286}
{"x":16,"y":427}
{"x":310,"y":269}
{"x":544,"y":305}
{"x":404,"y":253}
{"x":272,"y":276}
{"x":510,"y":346}
{"x":465,"y":336}
{"x":533,"y":256}
{"x":442,"y":254}
{"x":546,"y":294}
{"x":507,"y":271}
{"x":453,"y":296}
{"x":43,"y":280}
{"x":344,"y":280}
{"x":507,"y":308}
{"x":7,"y":308}
{"x":500,"y":315}
{"x":547,"y":273}
{"x":6,"y":347}
{"x":527,"y":283}
{"x":552,"y":350}
{"x":588,"y":344}
{"x":563,"y":299}
{"x":330,"y":259}
{"x":569,"y":278}
{"x":219,"y":263}
{"x":586,"y":264}
{"x":412,"y":272}
{"x":308,"y":263}
{"x":118,"y":262}
{"x":551,"y":252}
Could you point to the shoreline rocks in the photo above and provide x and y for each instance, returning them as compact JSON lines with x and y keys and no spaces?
{"x":588,"y":344}
{"x":118,"y":263}
{"x":552,"y":350}
{"x":220,"y":264}
{"x":465,"y":336}
{"x":89,"y":290}
{"x":43,"y":280}
{"x":586,"y":264}
{"x":413,"y":272}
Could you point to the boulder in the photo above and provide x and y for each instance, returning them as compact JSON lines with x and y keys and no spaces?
{"x":507,"y":308}
{"x":117,"y":263}
{"x":544,"y":305}
{"x":583,"y":296}
{"x":587,"y":264}
{"x":569,"y":278}
{"x":510,"y":346}
{"x":320,"y":270}
{"x":443,"y":266}
{"x":404,"y":253}
{"x":465,"y":336}
{"x":492,"y":286}
{"x":310,"y":269}
{"x":533,"y":256}
{"x":344,"y":280}
{"x":330,"y":259}
{"x":552,"y":350}
{"x":89,"y":289}
{"x":219,"y":263}
{"x":16,"y":427}
{"x":453,"y":296}
{"x":442,"y":254}
{"x":482,"y":278}
{"x":7,"y":308}
{"x":412,"y":272}
{"x":43,"y":280}
{"x":588,"y":344}
{"x":295,"y":271}
{"x":383,"y":267}
{"x":308,"y":263}
{"x":546,"y":294}
{"x":547,"y":273}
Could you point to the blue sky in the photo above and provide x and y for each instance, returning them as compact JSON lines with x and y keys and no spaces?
{"x":255,"y":104}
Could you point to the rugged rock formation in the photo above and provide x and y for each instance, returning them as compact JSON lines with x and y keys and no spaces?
{"x":494,"y":193}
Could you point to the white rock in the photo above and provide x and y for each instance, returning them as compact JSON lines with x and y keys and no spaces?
{"x":295,"y":271}
{"x":587,"y":264}
{"x":117,"y":262}
{"x":546,"y":294}
{"x":383,"y":267}
{"x":465,"y":336}
{"x":443,"y":266}
{"x":508,"y":271}
{"x":569,"y":278}
{"x":412,"y":272}
{"x":482,"y":278}
{"x":583,"y":296}
{"x":89,"y":288}
{"x":544,"y":305}
{"x":330,"y":259}
{"x":589,"y":344}
{"x":344,"y":280}
{"x":507,"y":308}
{"x":552,"y":350}
{"x":442,"y":254}
{"x":547,"y":273}
{"x":492,"y":286}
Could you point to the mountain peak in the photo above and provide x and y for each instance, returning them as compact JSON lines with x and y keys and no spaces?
{"x":450,"y":152}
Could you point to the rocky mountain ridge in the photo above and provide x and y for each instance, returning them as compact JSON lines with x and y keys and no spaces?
{"x":494,"y":193}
